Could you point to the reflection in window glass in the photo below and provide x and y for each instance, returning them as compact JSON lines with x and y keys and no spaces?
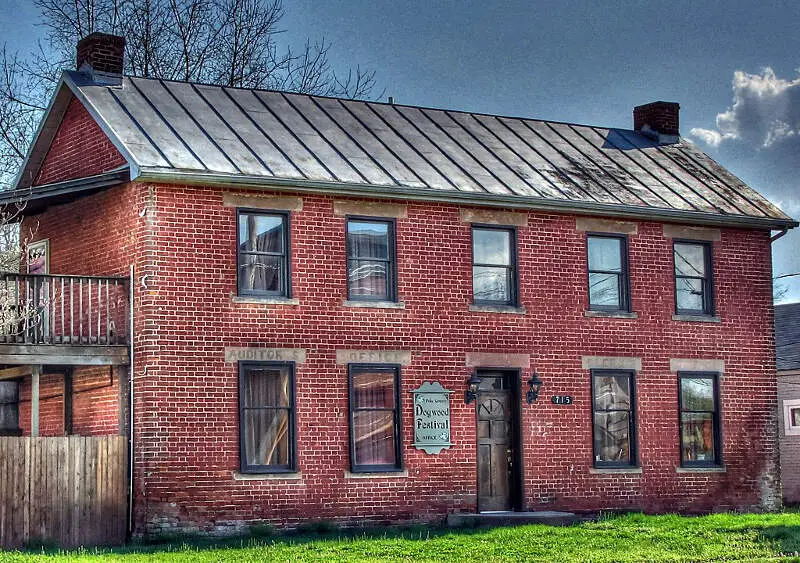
{"x":370,"y":260}
{"x":608,"y":276}
{"x":693,"y":290}
{"x":613,"y":412}
{"x":263,"y":256}
{"x":267,"y":417}
{"x":493,"y":266}
{"x":699,"y":420}
{"x":374,"y":418}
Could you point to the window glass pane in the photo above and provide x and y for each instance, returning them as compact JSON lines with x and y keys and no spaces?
{"x":612,"y":436}
{"x":267,"y":387}
{"x":690,"y":260}
{"x":689,"y":294}
{"x":373,"y":435}
{"x":258,"y":272}
{"x":367,"y":279}
{"x":266,"y":436}
{"x":492,"y":382}
{"x":612,"y":392}
{"x":604,"y":289}
{"x":367,"y":239}
{"x":605,"y":254}
{"x":698,"y":437}
{"x":373,"y":389}
{"x":8,"y":392}
{"x":262,"y":233}
{"x":794,"y":417}
{"x":491,"y":246}
{"x":491,"y":284}
{"x":697,"y":394}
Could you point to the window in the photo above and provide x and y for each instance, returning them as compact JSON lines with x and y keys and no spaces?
{"x":264,"y":254}
{"x":266,"y":417}
{"x":791,"y":417}
{"x":374,"y":418}
{"x":700,"y":440}
{"x":494,"y":269}
{"x":613,"y":413}
{"x":370,"y":260}
{"x":693,"y":287}
{"x":9,"y":409}
{"x":608,"y":273}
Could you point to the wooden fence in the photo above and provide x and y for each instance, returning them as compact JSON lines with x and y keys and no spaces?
{"x":71,"y":491}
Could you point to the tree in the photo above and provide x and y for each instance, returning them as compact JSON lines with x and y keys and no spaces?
{"x":225,"y":42}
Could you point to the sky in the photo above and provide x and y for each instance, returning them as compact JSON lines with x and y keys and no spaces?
{"x":732,"y":66}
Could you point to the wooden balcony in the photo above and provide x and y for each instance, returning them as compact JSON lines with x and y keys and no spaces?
{"x":64,"y":320}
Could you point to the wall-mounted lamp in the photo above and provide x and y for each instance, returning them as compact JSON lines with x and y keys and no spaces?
{"x":472,"y":388}
{"x":533,"y":388}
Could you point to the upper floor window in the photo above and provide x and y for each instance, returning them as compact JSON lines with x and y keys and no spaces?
{"x":263,"y":254}
{"x":694,"y":294}
{"x":791,"y":417}
{"x":370,"y":260}
{"x":608,"y":273}
{"x":494,"y":266}
{"x":699,"y":408}
{"x":9,"y":409}
{"x":613,"y":418}
{"x":266,"y":417}
{"x":374,"y":418}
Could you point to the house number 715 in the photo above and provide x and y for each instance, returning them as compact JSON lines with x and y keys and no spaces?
{"x":562,"y":400}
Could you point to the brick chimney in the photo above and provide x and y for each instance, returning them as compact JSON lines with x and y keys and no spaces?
{"x":102,"y":56}
{"x":658,"y":120}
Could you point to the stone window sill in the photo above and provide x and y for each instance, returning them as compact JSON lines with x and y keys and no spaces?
{"x":615,"y":470}
{"x":374,"y":304}
{"x":267,"y":476}
{"x":507,"y":309}
{"x":717,"y":469}
{"x":697,"y":318}
{"x":611,"y":314}
{"x":377,"y":475}
{"x":255,"y":300}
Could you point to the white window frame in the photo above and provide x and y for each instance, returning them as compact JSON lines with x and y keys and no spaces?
{"x":788,"y":406}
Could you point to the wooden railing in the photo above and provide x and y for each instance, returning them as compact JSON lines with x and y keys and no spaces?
{"x":56,"y":309}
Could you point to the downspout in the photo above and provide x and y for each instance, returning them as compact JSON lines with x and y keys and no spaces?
{"x":130,"y":407}
{"x":779,"y":235}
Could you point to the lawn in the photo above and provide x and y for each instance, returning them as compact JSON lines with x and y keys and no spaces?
{"x":720,"y":537}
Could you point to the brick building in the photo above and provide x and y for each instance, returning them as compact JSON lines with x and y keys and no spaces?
{"x":372,"y":312}
{"x":787,"y":342}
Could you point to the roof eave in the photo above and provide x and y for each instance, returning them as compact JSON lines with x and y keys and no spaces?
{"x":172,"y":176}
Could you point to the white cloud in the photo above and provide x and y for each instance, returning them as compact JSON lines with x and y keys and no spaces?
{"x":765,"y":111}
{"x":708,"y":136}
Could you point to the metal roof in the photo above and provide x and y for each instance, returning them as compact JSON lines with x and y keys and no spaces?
{"x":787,"y":336}
{"x":178,"y":131}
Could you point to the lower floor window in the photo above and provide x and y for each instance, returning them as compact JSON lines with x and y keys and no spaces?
{"x":266,"y":417}
{"x":9,"y":408}
{"x":374,"y":418}
{"x":613,"y":418}
{"x":700,"y":441}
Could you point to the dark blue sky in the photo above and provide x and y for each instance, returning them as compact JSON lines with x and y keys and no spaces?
{"x":584,"y":62}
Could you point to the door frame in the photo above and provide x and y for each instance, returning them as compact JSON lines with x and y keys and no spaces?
{"x":514,"y":378}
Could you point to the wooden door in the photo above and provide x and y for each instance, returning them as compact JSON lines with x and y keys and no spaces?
{"x":496,"y":443}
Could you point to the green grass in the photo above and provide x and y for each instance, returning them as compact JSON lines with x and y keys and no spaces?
{"x":720,"y":537}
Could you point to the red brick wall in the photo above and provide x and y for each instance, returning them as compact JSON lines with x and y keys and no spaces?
{"x":79,"y":149}
{"x":186,"y":400}
{"x":95,"y":410}
{"x":789,"y":389}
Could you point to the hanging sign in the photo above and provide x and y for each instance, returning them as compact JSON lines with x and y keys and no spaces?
{"x":431,"y":418}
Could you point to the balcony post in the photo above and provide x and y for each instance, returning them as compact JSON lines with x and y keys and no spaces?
{"x":36,"y":370}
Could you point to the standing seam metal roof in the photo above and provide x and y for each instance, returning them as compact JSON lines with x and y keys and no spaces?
{"x":179,"y":128}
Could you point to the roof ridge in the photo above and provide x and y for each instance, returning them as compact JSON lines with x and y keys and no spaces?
{"x":392,"y":104}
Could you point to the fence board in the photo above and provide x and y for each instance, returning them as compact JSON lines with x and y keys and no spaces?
{"x":70,"y":490}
